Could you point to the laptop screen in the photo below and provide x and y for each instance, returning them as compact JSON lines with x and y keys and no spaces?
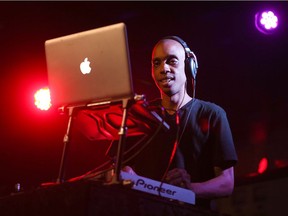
{"x":90,"y":66}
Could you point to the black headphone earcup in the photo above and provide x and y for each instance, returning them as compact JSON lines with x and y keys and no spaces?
{"x":190,"y":68}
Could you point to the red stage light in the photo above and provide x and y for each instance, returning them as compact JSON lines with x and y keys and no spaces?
{"x":42,"y":99}
{"x":263,"y":165}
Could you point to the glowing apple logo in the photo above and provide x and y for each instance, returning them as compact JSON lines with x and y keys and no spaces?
{"x":85,"y":66}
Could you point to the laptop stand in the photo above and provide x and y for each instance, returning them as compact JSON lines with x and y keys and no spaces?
{"x":126,"y":103}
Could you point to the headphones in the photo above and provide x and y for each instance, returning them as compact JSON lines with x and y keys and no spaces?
{"x":191,"y":65}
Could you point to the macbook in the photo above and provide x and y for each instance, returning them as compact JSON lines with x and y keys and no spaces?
{"x":89,"y":67}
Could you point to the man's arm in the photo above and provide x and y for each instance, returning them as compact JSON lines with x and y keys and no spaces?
{"x":220,"y":186}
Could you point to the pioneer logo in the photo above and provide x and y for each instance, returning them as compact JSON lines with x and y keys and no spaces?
{"x":151,"y":186}
{"x":141,"y":183}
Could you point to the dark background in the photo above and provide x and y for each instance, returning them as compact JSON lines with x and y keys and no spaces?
{"x":240,"y":69}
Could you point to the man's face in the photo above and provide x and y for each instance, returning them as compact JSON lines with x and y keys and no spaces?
{"x":168,"y":67}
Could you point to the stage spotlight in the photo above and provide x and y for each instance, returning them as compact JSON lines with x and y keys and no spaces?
{"x":42,"y":99}
{"x":266,"y":22}
{"x":263,"y":165}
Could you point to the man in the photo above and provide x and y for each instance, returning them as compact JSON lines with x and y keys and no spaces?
{"x":204,"y":153}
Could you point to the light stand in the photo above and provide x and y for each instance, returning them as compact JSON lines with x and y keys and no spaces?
{"x":60,"y":178}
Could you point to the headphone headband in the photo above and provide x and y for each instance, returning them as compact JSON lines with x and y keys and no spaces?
{"x":188,"y":52}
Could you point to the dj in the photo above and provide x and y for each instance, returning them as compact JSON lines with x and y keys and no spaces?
{"x":204,"y":153}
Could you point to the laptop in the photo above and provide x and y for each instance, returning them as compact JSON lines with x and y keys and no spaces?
{"x":89,"y":67}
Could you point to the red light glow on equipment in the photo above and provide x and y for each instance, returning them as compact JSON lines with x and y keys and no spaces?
{"x":259,"y":134}
{"x":42,"y":99}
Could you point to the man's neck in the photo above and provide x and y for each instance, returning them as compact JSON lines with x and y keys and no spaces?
{"x":175,"y":102}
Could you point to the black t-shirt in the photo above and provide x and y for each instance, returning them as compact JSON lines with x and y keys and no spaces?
{"x":204,"y":137}
{"x":204,"y":141}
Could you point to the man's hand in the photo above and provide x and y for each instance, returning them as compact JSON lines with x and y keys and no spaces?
{"x":178,"y":177}
{"x":129,"y":170}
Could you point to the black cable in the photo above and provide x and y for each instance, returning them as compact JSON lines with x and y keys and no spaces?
{"x":91,"y":173}
{"x":146,"y":144}
{"x":176,"y":144}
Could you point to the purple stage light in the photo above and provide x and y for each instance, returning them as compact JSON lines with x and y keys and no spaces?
{"x":266,"y":22}
{"x":269,"y":20}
